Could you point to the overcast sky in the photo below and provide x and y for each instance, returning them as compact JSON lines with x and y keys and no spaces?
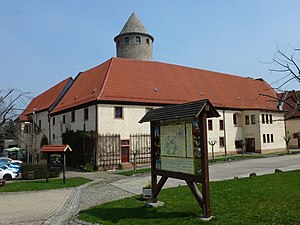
{"x":44,"y":42}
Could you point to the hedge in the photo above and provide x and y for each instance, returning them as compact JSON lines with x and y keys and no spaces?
{"x":39,"y":170}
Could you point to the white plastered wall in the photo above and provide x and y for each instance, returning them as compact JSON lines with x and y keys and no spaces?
{"x":129,"y":124}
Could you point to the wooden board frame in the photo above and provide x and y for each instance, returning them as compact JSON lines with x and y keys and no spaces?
{"x":203,"y":198}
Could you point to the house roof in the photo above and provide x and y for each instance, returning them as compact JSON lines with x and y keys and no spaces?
{"x":150,"y":82}
{"x":290,"y":104}
{"x":45,"y":100}
{"x":180,"y":111}
{"x":55,"y":148}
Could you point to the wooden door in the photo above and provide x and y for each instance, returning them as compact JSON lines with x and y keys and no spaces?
{"x":250,"y":144}
{"x":125,"y":154}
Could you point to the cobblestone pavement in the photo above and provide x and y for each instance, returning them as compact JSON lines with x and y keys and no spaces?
{"x":31,"y":207}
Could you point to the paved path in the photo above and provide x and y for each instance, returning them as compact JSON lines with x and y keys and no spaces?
{"x":31,"y":207}
{"x":56,"y":207}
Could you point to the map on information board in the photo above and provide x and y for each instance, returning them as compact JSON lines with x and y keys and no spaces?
{"x":173,"y":140}
{"x":177,"y":149}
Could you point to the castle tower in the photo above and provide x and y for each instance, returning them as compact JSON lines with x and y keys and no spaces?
{"x":134,"y":42}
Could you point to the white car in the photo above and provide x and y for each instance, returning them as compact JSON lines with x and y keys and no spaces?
{"x":10,"y":167}
{"x":7,"y":174}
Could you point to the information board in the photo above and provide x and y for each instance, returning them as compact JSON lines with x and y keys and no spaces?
{"x":178,"y":148}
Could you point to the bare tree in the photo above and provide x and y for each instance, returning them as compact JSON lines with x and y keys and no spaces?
{"x":286,"y":63}
{"x":11,"y":102}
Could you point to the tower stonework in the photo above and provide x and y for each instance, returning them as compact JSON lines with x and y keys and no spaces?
{"x":134,"y":42}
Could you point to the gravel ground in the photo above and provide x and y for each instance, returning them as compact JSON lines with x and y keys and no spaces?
{"x":100,"y":193}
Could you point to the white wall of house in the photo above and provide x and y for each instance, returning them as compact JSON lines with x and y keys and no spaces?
{"x":235,"y":129}
{"x":275,"y":129}
{"x":79,"y":122}
{"x":128,"y":124}
{"x":41,"y":120}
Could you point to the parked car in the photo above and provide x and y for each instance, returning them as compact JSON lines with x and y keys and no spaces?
{"x":15,"y":165}
{"x":7,"y":174}
{"x":11,"y":168}
{"x":4,"y":160}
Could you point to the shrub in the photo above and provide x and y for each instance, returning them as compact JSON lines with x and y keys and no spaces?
{"x":39,"y":170}
{"x":88,"y":167}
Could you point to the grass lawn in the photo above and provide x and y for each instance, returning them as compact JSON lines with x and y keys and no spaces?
{"x":263,"y":200}
{"x":38,"y":185}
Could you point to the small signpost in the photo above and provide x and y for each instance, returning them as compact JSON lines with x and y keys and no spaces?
{"x":56,"y":158}
{"x":179,"y":148}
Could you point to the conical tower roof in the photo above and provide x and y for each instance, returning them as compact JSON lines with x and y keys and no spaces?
{"x":134,"y":25}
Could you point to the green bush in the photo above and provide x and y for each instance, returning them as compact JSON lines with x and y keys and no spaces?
{"x":39,"y":170}
{"x":88,"y":167}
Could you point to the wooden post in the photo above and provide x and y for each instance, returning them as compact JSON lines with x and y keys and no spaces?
{"x":64,"y":166}
{"x":47,"y":168}
{"x":153,"y":158}
{"x":204,"y":162}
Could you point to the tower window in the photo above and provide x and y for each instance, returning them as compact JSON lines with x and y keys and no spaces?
{"x":148,"y":41}
{"x":138,"y":39}
{"x":127,"y":40}
{"x":118,"y":43}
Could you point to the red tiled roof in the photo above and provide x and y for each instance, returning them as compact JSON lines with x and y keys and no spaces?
{"x":55,"y":148}
{"x":154,"y":82}
{"x":45,"y":100}
{"x":289,"y":104}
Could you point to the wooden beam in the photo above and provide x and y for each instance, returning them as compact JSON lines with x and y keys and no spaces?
{"x":158,"y":187}
{"x":204,"y":162}
{"x":197,"y":194}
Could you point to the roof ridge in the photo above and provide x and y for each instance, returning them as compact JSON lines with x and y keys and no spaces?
{"x":106,"y":77}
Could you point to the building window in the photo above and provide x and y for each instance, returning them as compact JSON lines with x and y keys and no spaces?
{"x":53,"y":121}
{"x":148,"y":41}
{"x":64,"y":119}
{"x":264,"y":138}
{"x":272,"y":138}
{"x":27,"y":128}
{"x":73,"y":116}
{"x":239,"y":144}
{"x":118,"y":112}
{"x":86,"y":114}
{"x":138,"y":39}
{"x":267,"y":118}
{"x":271,"y":118}
{"x":263,"y":118}
{"x":268,"y":138}
{"x":40,"y":124}
{"x":127,"y":40}
{"x":247,"y":120}
{"x":221,"y":141}
{"x":210,"y":125}
{"x":234,"y":119}
{"x":253,"y":119}
{"x":221,"y":125}
{"x":53,"y":136}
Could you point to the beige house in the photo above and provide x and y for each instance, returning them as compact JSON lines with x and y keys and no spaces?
{"x":290,"y":104}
